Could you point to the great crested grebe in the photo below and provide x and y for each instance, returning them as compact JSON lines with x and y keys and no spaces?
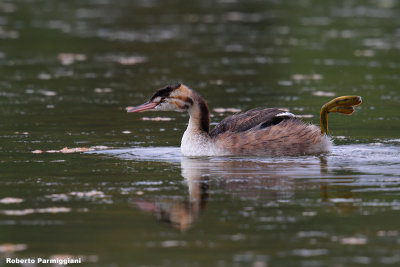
{"x":260,"y":131}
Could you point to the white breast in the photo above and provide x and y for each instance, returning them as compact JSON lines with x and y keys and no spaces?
{"x":196,"y":144}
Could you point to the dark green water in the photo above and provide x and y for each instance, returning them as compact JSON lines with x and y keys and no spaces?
{"x":68,"y":69}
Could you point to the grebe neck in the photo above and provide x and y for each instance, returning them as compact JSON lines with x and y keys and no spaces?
{"x":199,"y":115}
{"x":196,"y":140}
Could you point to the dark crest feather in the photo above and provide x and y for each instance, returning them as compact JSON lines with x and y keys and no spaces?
{"x":165,"y":91}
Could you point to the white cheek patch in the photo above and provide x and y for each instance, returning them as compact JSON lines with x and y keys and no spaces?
{"x":285,"y":114}
{"x":167,"y":106}
{"x":173,"y":102}
{"x":173,"y":93}
{"x":157,"y":99}
{"x":162,"y":106}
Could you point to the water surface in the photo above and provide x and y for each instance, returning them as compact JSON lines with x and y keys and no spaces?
{"x":68,"y":69}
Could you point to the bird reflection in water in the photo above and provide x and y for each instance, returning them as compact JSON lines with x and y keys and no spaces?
{"x":272,"y":180}
{"x":181,"y":214}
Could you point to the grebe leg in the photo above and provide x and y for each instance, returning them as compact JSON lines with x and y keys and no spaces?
{"x":342,"y":104}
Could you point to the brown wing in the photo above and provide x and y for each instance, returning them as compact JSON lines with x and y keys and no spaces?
{"x":253,"y":118}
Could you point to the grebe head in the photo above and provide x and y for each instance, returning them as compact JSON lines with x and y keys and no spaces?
{"x":170,"y":98}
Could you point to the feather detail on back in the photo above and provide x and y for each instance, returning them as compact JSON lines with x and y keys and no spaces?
{"x":289,"y":137}
{"x":260,"y":118}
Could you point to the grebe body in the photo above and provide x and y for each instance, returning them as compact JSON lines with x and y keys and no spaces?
{"x":267,"y":131}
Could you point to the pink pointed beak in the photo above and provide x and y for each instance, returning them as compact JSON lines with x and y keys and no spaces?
{"x":143,"y":107}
